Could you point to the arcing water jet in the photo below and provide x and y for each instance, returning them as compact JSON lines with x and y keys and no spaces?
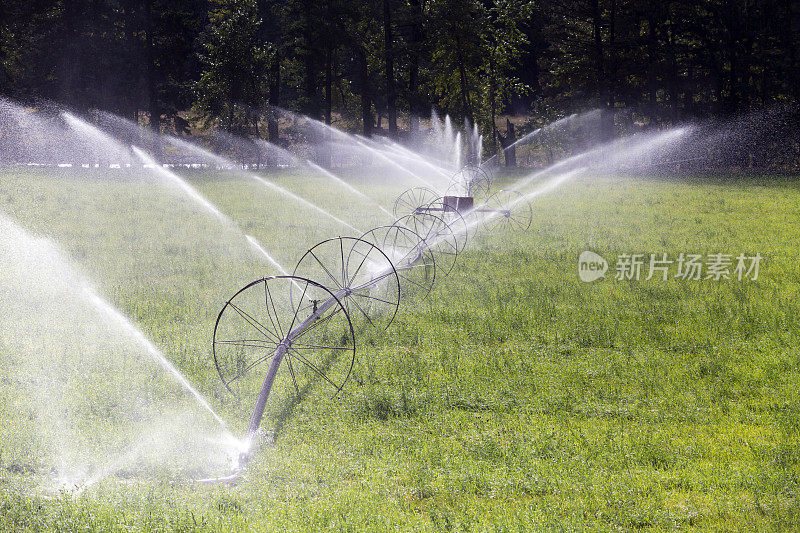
{"x":346,"y":185}
{"x":91,"y":375}
{"x":182,"y":185}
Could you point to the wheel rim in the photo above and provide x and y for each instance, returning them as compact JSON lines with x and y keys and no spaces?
{"x":455,"y":219}
{"x":262,"y":315}
{"x":470,"y":181}
{"x":510,"y":209}
{"x":437,"y":235}
{"x":402,"y":245}
{"x":412,"y":199}
{"x":360,"y":273}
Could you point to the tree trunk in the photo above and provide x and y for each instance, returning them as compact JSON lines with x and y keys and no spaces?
{"x":611,"y":82}
{"x":606,"y":111}
{"x":462,"y":73}
{"x":154,"y":106}
{"x":133,"y":47}
{"x":312,"y":107}
{"x":274,"y":100}
{"x":794,"y":24}
{"x":673,"y":75}
{"x":254,"y":116}
{"x":366,"y":102}
{"x":270,"y":31}
{"x":492,"y":97}
{"x":328,"y":85}
{"x":413,"y":67}
{"x":70,"y":61}
{"x":388,"y":46}
{"x":510,"y":150}
{"x":733,"y":83}
{"x":652,"y":71}
{"x":325,"y":149}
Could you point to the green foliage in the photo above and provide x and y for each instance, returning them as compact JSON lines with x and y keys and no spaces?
{"x":235,"y":61}
{"x":664,"y":61}
{"x":653,"y":64}
{"x":458,"y":29}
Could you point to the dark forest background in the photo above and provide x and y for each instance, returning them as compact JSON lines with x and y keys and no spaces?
{"x":383,"y":65}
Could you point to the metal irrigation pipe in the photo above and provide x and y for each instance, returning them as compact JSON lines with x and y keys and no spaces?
{"x":286,"y":342}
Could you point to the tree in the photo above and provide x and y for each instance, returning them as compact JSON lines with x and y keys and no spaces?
{"x":235,"y":65}
{"x":389,"y":53}
{"x":504,"y":42}
{"x":362,"y":37}
{"x":457,"y":31}
{"x":272,"y":32}
{"x":415,"y":47}
{"x":27,"y":47}
{"x":346,"y":61}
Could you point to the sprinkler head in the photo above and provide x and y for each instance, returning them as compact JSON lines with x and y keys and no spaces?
{"x":242,"y":460}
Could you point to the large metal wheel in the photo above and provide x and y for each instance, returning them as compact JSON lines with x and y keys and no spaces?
{"x":454,"y":218}
{"x":295,"y":312}
{"x":470,"y":180}
{"x":412,"y":199}
{"x":414,"y":261}
{"x":506,"y":210}
{"x":361,"y":276}
{"x":437,"y":235}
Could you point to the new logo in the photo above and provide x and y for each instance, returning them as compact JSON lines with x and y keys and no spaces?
{"x":591,"y":266}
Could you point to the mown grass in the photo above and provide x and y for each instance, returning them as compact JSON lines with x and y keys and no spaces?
{"x":515,"y":397}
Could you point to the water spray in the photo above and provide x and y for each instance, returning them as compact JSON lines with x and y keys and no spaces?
{"x":303,"y":325}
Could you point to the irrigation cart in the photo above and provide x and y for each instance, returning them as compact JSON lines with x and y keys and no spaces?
{"x":304,"y":325}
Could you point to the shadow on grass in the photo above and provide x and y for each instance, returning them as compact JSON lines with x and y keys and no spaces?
{"x":285,"y":413}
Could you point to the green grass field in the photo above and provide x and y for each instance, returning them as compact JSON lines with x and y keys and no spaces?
{"x":516,"y":397}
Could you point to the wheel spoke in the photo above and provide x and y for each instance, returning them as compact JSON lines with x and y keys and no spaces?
{"x":344,"y":272}
{"x":313,"y":368}
{"x":314,"y":347}
{"x":316,"y":324}
{"x":373,"y":298}
{"x":291,"y":371}
{"x":328,"y":272}
{"x":415,"y":283}
{"x":364,"y":260}
{"x":268,"y":296}
{"x":366,"y":315}
{"x":246,"y":343}
{"x":253,"y":322}
{"x":298,"y":308}
{"x":250,"y":366}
